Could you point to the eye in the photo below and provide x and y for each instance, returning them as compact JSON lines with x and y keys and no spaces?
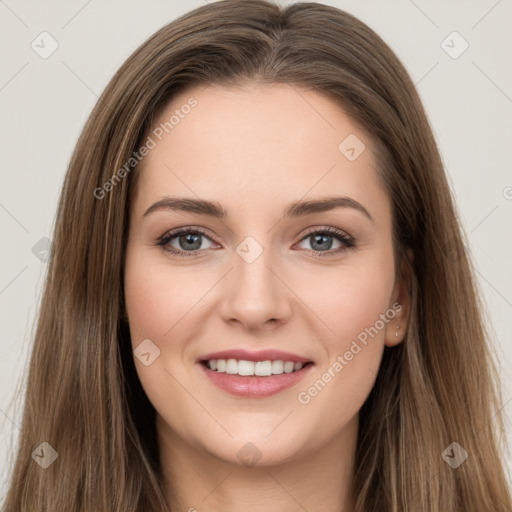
{"x":188,"y":242}
{"x":322,"y":241}
{"x":184,"y":242}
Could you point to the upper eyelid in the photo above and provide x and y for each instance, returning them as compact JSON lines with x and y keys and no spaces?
{"x":187,"y":229}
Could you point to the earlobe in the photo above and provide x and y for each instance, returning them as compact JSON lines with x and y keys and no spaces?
{"x":397,"y":327}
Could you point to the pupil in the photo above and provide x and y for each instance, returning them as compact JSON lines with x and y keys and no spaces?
{"x":322,"y":239}
{"x":189,"y":241}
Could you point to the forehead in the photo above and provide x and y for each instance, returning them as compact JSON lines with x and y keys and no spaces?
{"x":259,"y":146}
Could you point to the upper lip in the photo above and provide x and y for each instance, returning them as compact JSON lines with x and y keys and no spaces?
{"x":260,"y":355}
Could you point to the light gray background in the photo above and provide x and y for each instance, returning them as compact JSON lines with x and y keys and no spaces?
{"x":45,"y":102}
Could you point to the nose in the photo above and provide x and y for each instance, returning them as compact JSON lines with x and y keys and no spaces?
{"x":255,"y":295}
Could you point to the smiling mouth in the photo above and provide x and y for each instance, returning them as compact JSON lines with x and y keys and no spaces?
{"x":245,"y":368}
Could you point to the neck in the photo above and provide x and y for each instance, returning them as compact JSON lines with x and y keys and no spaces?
{"x":196,"y":480}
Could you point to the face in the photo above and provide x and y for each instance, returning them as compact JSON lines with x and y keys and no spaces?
{"x":251,"y":276}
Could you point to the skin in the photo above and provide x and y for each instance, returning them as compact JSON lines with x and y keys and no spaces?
{"x":254,"y":149}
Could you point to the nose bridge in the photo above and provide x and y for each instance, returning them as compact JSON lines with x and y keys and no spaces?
{"x":254,"y":294}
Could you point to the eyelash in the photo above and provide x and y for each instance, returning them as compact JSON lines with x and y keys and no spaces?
{"x":347,"y":241}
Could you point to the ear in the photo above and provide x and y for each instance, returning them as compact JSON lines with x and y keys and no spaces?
{"x":400,"y":303}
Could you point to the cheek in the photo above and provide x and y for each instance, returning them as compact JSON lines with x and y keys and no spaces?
{"x":361,"y":299}
{"x":157,"y":301}
{"x":159,"y":306}
{"x":163,"y":306}
{"x":355,"y":306}
{"x":350,"y":301}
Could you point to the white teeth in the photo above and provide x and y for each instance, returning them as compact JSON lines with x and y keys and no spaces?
{"x":246,"y":368}
{"x":277,"y":367}
{"x":259,"y":368}
{"x":231,"y":366}
{"x":288,"y":367}
{"x":263,"y":368}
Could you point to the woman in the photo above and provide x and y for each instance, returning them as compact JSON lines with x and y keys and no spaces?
{"x":320,"y":347}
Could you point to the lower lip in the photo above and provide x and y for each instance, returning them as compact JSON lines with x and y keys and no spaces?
{"x":253,"y":386}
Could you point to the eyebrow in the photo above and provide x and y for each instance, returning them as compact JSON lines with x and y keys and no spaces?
{"x":295,"y":209}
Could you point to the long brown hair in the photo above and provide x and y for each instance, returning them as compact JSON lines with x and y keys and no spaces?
{"x":439,"y":386}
